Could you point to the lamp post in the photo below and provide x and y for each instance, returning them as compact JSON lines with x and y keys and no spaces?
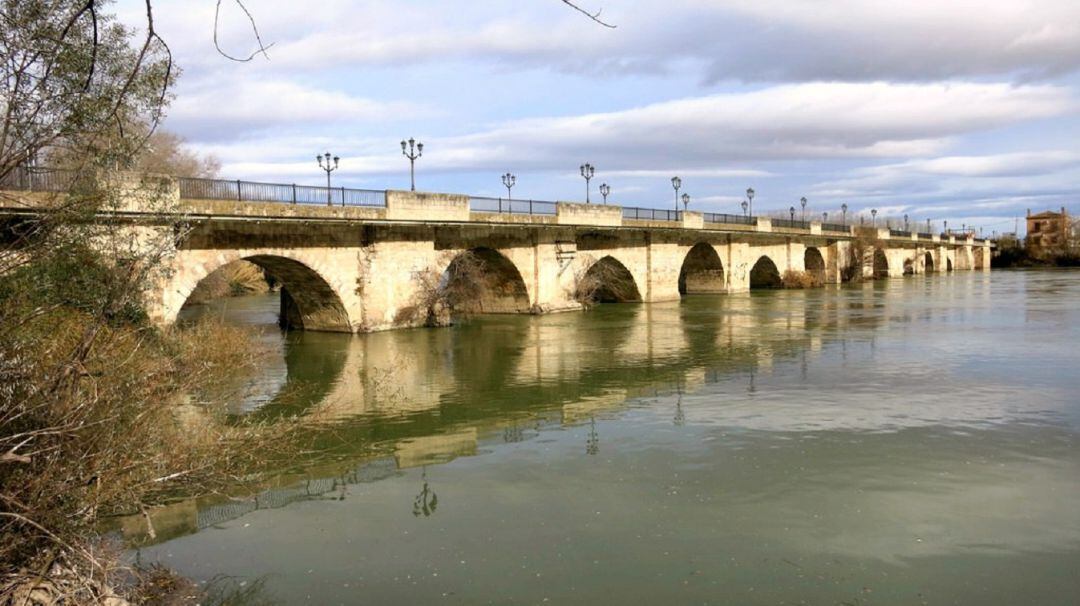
{"x":905,"y":222}
{"x":685,"y":201}
{"x":605,"y":189}
{"x":676,"y":183}
{"x":927,"y":225}
{"x":744,"y":205}
{"x":750,"y":197}
{"x":587,"y":171}
{"x":843,"y":211}
{"x":415,"y":150}
{"x":792,"y":212}
{"x":825,"y":217}
{"x":509,"y":181}
{"x":873,"y":217}
{"x":329,"y":169}
{"x":802,"y":201}
{"x":945,"y":226}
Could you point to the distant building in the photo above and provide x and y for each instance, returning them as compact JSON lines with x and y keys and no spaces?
{"x":1049,"y":231}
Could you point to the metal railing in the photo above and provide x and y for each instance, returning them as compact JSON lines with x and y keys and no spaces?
{"x":192,"y":188}
{"x":651,"y":214}
{"x":836,"y":227}
{"x":25,"y":178}
{"x":926,"y":236}
{"x":510,"y":206}
{"x":729,"y":219}
{"x":791,"y":224}
{"x":899,"y":233}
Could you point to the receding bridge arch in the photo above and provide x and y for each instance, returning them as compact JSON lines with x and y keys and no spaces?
{"x":764,"y":274}
{"x":309,"y":302}
{"x":881,"y":264}
{"x":607,"y":281}
{"x":814,"y":263}
{"x":929,"y":262}
{"x":702,"y":271}
{"x":483,"y":280}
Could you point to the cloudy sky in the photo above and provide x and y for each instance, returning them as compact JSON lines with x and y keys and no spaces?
{"x":965,"y":110}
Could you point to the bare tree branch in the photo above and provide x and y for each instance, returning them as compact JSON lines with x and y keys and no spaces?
{"x":594,"y":16}
{"x":254,"y":28}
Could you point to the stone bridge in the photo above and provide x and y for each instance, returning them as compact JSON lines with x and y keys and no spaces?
{"x":367,"y":268}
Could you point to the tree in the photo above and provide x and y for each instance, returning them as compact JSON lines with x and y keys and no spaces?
{"x":165,"y":154}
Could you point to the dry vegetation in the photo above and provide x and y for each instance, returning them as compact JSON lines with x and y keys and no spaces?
{"x":603,"y":282}
{"x":801,"y":279}
{"x":236,"y":279}
{"x":442,"y":295}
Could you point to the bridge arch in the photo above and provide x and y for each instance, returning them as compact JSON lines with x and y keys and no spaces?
{"x":309,"y":301}
{"x":607,"y":281}
{"x":881,"y":264}
{"x":483,"y":280}
{"x":814,"y":263}
{"x":702,"y":271}
{"x":948,"y":265}
{"x":764,"y":274}
{"x":928,"y":260}
{"x":909,"y":266}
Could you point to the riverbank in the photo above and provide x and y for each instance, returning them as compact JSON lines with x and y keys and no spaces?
{"x":1021,"y":257}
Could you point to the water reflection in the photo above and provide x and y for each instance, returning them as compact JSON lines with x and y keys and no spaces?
{"x":785,"y":446}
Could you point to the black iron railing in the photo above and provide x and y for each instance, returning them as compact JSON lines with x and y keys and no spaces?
{"x":791,"y":224}
{"x":192,"y":188}
{"x":899,"y":233}
{"x":729,"y":219}
{"x":514,"y":207}
{"x":651,"y":214}
{"x":835,"y":227}
{"x":25,"y":178}
{"x":925,"y":236}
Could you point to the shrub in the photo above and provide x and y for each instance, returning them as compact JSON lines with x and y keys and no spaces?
{"x":801,"y":279}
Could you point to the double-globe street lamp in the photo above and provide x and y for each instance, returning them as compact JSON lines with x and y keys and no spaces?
{"x":329,"y":169}
{"x":750,"y":197}
{"x":676,"y":182}
{"x":802,"y":201}
{"x":412,"y":150}
{"x":588,"y":171}
{"x":685,"y":201}
{"x":843,"y":211}
{"x":744,"y":205}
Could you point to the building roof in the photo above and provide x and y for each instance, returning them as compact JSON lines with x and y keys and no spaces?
{"x":1046,"y":214}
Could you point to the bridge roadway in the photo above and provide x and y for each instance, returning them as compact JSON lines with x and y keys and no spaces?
{"x":369,"y":268}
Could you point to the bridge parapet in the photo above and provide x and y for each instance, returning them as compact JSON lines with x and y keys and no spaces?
{"x":425,"y":206}
{"x":575,"y":213}
{"x":693,"y":220}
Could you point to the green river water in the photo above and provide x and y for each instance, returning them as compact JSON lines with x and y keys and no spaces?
{"x":907,"y":441}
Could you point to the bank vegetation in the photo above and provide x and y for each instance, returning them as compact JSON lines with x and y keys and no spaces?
{"x":101,"y":412}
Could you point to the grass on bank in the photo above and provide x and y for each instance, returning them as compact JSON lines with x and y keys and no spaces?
{"x":103,"y":414}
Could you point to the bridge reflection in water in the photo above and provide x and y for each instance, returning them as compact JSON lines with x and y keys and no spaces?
{"x":411,"y":398}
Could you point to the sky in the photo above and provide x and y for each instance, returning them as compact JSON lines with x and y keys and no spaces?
{"x":959,"y":110}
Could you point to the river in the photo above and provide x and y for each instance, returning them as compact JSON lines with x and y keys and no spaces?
{"x":906,"y":441}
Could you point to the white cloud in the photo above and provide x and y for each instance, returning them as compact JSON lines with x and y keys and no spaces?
{"x":748,"y":40}
{"x":216,"y":108}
